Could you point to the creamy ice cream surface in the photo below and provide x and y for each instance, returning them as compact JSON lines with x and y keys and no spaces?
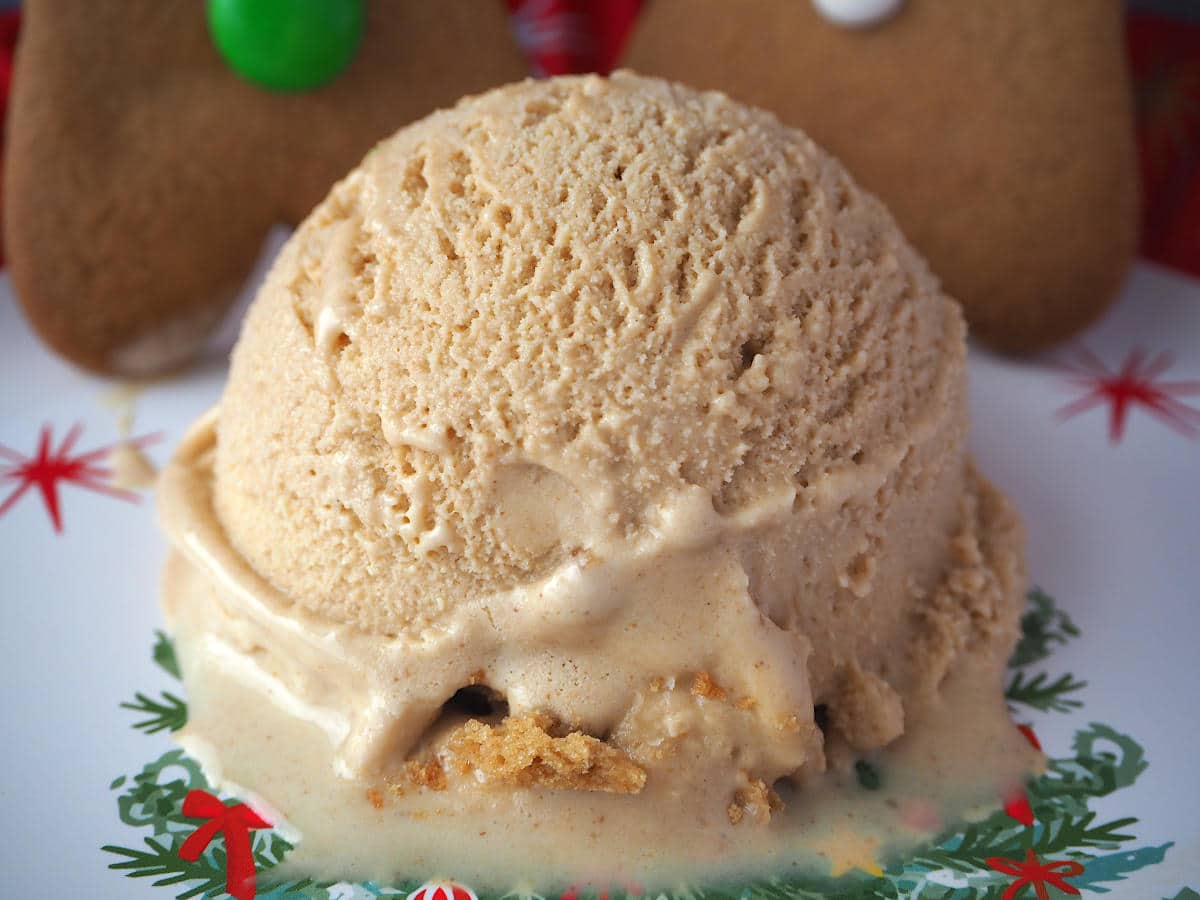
{"x":597,"y":446}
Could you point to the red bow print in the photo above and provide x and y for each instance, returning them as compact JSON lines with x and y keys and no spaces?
{"x":235,"y":822}
{"x":1034,"y":872}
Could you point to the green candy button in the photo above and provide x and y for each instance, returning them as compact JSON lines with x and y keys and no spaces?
{"x":287,"y":45}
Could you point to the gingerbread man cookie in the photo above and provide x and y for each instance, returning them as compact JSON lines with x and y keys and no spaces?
{"x":142,"y":173}
{"x":999,"y":132}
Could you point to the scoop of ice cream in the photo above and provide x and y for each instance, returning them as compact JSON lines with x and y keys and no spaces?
{"x":526,"y":325}
{"x":622,"y":403}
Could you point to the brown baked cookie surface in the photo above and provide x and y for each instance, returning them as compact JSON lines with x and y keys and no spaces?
{"x":141,"y":174}
{"x":999,"y":132}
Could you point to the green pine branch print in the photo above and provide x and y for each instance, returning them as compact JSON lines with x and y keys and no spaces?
{"x":1039,"y":692}
{"x":167,"y":714}
{"x":1043,"y":627}
{"x":206,"y":876}
{"x":163,"y":862}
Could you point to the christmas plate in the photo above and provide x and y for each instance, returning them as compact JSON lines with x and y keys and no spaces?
{"x":1097,"y":444}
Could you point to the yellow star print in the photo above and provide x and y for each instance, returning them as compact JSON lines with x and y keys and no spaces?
{"x":847,"y":850}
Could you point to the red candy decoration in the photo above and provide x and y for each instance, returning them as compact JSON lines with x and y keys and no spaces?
{"x":562,"y":37}
{"x":10,"y":25}
{"x":1165,"y":57}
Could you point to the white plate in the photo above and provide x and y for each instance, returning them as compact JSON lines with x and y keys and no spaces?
{"x":1114,"y":536}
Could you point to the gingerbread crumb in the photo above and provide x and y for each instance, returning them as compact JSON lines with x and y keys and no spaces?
{"x":376,"y":797}
{"x":428,"y":774}
{"x":521,"y":752}
{"x":755,"y":800}
{"x":704,"y":686}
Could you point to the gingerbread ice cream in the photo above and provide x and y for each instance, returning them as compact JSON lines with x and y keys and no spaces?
{"x":596,"y":447}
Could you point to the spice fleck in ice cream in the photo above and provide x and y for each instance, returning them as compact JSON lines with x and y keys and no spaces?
{"x":589,"y":493}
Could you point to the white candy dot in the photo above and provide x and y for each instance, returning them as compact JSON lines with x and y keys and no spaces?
{"x":857,"y":13}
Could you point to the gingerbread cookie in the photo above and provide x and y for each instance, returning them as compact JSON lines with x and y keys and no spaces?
{"x":999,"y":132}
{"x":142,"y":173}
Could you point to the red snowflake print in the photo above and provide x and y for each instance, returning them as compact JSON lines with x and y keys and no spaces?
{"x":442,"y":890}
{"x":49,"y":466}
{"x":1136,"y":383}
{"x":1033,"y":872}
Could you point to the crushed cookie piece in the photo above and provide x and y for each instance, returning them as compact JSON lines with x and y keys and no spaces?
{"x":746,"y":703}
{"x":869,"y":712}
{"x":755,"y":800}
{"x":704,"y":686}
{"x":520,"y":751}
{"x":428,"y":774}
{"x":376,"y":797}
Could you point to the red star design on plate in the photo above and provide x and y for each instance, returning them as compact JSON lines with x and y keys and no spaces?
{"x":1136,"y":383}
{"x":49,"y":466}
